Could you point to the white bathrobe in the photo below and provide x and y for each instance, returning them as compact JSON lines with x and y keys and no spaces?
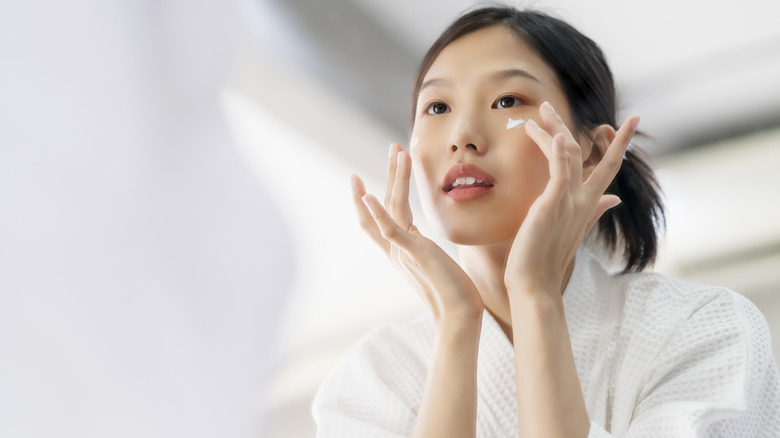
{"x":656,"y":357}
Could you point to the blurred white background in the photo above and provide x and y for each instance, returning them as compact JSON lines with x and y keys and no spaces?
{"x":178,"y":252}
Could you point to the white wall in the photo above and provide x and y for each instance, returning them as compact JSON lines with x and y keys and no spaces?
{"x":142,"y":264}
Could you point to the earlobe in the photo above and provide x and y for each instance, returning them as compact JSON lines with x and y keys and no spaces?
{"x":602,"y":137}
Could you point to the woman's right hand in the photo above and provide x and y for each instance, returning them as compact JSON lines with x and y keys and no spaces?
{"x":441,"y":282}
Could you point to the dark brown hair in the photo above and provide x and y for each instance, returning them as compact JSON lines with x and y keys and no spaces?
{"x":587,"y":83}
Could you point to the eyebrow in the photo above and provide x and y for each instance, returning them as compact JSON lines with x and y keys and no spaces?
{"x":513,"y":73}
{"x":432,"y":83}
{"x":497,"y":76}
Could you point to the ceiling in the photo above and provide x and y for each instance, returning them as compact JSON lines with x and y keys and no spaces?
{"x":697,"y":72}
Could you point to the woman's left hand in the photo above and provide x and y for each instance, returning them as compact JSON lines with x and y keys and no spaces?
{"x":557,"y":222}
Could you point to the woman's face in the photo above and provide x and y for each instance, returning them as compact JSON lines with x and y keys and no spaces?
{"x":475,"y":85}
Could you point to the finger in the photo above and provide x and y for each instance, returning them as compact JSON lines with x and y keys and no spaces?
{"x":553,"y":122}
{"x":555,"y":125}
{"x":560,"y":175}
{"x":391,"y":166}
{"x":560,"y":167}
{"x":541,"y":137}
{"x":606,"y":202}
{"x":399,"y":202}
{"x":610,"y":163}
{"x":387,"y":226}
{"x":367,"y":221}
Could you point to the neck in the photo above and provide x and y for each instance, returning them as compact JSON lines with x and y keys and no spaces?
{"x":486,"y":266}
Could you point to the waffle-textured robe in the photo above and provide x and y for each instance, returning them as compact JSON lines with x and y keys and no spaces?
{"x":656,"y":357}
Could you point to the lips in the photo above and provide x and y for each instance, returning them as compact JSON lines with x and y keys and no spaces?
{"x":457,"y":173}
{"x":467,"y":181}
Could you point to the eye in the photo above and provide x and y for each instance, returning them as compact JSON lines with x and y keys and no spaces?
{"x":437,"y":108}
{"x":507,"y":102}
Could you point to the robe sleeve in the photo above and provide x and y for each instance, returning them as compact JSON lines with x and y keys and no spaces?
{"x":373,"y":392}
{"x":716,"y":377}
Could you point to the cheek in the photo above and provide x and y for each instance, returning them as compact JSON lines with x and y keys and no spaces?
{"x":422,"y":167}
{"x":516,"y":146}
{"x":422,"y":149}
{"x":526,"y":170}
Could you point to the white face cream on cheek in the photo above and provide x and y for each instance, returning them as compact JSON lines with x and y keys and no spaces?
{"x":512,"y":123}
{"x":414,"y":141}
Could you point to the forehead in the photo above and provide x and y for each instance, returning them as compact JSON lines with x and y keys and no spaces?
{"x":480,"y":53}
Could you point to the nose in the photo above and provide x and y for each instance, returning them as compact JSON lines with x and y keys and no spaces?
{"x":467,"y":134}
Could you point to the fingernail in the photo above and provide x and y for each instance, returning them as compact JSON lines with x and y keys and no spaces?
{"x":532,"y":124}
{"x":634,"y":124}
{"x":546,"y":105}
{"x":560,"y":141}
{"x":392,"y":149}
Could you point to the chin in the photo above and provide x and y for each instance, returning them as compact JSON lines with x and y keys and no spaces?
{"x":473,"y":227}
{"x":477,"y":237}
{"x":477,"y":229}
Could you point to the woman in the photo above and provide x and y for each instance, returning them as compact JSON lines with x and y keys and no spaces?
{"x":516,"y":156}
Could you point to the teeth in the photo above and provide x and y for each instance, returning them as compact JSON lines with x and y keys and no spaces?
{"x":466,"y":180}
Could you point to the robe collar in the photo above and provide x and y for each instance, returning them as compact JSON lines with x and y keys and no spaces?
{"x":586,"y":301}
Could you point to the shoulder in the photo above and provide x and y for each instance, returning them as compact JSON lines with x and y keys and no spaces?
{"x":663,"y":324}
{"x":380,"y":379}
{"x":671,"y":305}
{"x":682,"y":318}
{"x":708,"y":344}
{"x":659,"y":309}
{"x":665,"y":301}
{"x":392,"y":348}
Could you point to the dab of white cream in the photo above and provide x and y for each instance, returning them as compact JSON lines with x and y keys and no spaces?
{"x":512,"y":123}
{"x":414,"y":141}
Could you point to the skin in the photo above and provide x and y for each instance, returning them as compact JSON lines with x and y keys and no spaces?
{"x":517,"y":243}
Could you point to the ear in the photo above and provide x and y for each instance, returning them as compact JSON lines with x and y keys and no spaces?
{"x":601,"y":137}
